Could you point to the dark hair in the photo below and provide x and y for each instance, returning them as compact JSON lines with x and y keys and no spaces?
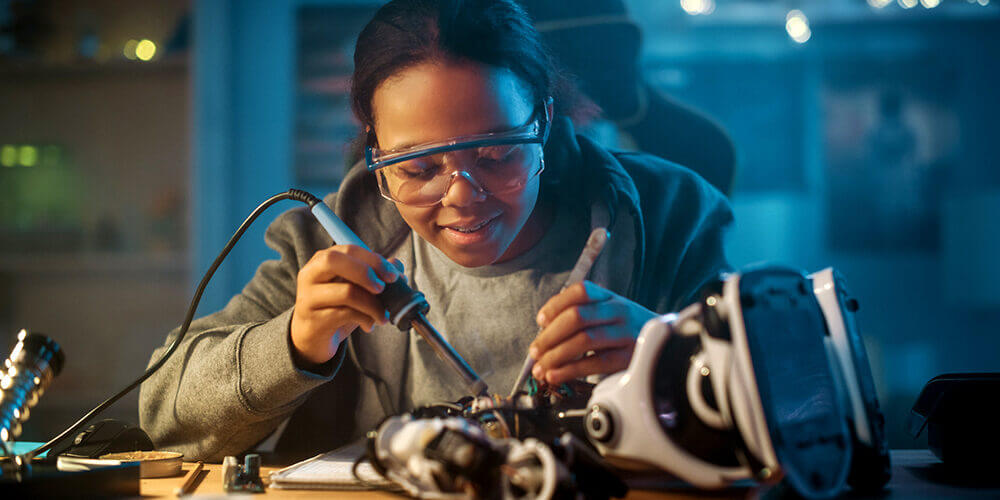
{"x":405,"y":33}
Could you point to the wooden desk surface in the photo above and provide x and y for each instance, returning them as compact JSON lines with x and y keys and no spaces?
{"x":916,"y":474}
{"x":209,"y":484}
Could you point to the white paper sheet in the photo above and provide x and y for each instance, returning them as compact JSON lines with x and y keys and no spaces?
{"x":331,"y":471}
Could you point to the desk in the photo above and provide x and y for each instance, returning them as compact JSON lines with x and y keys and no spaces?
{"x":209,"y":483}
{"x":916,"y":474}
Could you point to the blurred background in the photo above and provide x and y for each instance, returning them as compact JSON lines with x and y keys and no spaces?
{"x":135,"y":136}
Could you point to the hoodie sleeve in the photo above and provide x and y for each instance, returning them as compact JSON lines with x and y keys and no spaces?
{"x":685,"y":220}
{"x":233,"y":378}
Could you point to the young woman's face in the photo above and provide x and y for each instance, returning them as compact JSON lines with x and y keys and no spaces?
{"x":437,"y":101}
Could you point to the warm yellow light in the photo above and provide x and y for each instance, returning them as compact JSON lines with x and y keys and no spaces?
{"x":28,"y":156}
{"x":930,"y":4}
{"x":145,"y":50}
{"x":907,"y":4}
{"x":8,"y":155}
{"x":797,"y":26}
{"x":129,"y":50}
{"x":879,"y":4}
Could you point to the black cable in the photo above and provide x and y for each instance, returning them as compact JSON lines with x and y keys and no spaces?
{"x":292,"y":194}
{"x":381,"y":386}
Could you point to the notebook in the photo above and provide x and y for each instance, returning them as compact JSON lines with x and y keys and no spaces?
{"x":332,"y":471}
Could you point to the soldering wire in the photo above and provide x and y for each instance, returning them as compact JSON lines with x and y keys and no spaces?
{"x":192,"y":308}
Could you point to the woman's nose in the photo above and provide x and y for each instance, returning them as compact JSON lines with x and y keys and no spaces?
{"x":463,"y":190}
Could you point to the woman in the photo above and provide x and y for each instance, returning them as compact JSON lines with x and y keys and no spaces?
{"x":476,"y":189}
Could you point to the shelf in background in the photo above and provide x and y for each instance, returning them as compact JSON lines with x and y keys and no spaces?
{"x":95,"y":263}
{"x":13,"y":69}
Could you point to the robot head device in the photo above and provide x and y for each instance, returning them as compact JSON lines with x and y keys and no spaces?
{"x":766,"y":378}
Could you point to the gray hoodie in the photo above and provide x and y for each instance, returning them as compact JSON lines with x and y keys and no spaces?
{"x":234,"y":379}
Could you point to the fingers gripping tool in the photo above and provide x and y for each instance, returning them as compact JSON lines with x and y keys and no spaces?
{"x":407,"y":307}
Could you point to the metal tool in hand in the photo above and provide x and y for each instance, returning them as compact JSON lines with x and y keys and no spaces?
{"x":407,"y":307}
{"x":595,"y":243}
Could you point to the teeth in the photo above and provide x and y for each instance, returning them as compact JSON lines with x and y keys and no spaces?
{"x":470,"y":229}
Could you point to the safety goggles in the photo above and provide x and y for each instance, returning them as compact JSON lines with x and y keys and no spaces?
{"x":495,"y":163}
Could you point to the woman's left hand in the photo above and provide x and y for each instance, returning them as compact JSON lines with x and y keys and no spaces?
{"x":585,"y":317}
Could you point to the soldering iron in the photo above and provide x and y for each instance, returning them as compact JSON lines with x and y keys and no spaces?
{"x":407,"y":307}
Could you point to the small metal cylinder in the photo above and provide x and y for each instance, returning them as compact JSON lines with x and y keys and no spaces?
{"x":230,"y":472}
{"x":33,"y":363}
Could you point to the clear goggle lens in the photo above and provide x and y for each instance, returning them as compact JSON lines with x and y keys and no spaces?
{"x":493,"y":169}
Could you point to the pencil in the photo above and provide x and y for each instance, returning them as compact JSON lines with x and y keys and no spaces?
{"x":595,"y":243}
{"x":189,"y":479}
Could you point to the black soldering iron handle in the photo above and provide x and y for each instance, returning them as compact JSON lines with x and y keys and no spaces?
{"x":403,"y":303}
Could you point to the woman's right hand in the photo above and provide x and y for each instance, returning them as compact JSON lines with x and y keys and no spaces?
{"x":335,"y":294}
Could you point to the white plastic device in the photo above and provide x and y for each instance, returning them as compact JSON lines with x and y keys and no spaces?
{"x":765,"y":378}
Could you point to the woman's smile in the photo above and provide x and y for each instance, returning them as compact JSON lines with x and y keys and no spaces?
{"x":464,"y":233}
{"x":438,"y":101}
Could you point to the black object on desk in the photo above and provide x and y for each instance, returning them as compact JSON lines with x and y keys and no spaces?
{"x":46,"y":481}
{"x":960,"y":413}
{"x":101,"y":438}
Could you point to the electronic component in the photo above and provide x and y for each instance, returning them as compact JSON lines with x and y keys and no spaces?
{"x":440,"y":456}
{"x":765,"y":378}
{"x":244,"y":478}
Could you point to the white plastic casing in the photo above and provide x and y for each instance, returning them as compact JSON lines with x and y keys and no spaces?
{"x":638,"y":439}
{"x":825,"y":289}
